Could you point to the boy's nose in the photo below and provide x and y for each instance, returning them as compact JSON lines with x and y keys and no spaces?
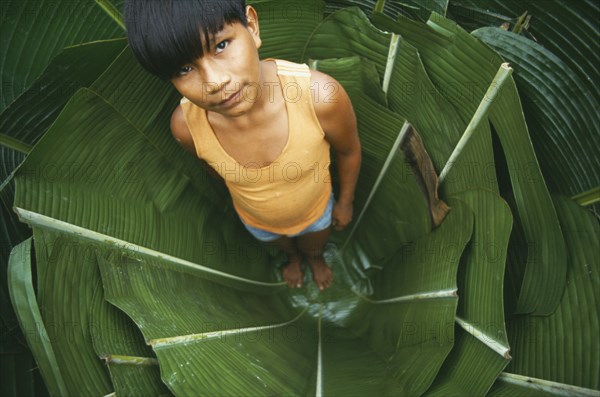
{"x":215,"y":78}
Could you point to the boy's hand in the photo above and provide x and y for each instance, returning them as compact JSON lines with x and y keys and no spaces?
{"x":342,"y":215}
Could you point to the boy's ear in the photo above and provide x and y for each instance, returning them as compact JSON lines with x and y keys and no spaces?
{"x":253,"y":28}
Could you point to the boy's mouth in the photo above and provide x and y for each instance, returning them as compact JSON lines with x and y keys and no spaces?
{"x":232,"y":99}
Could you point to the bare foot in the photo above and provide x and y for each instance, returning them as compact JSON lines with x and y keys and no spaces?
{"x":322,"y":274}
{"x":292,"y":272}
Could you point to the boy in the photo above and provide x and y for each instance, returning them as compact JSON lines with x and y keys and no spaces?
{"x":255,"y":123}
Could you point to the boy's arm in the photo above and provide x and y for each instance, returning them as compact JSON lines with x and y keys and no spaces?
{"x":181,"y":132}
{"x":336,"y":116}
{"x":182,"y":135}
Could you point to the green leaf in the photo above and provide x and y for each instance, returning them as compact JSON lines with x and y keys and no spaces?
{"x":369,"y":42}
{"x":411,"y":8}
{"x":67,"y":276}
{"x":559,"y":108}
{"x":424,"y":8}
{"x":13,"y":350}
{"x":417,"y":333}
{"x":28,"y":117}
{"x":367,"y":6}
{"x":481,"y":351}
{"x":178,"y":338}
{"x":28,"y":312}
{"x":278,"y":18}
{"x":567,"y":29}
{"x":70,"y":69}
{"x":135,"y":376}
{"x":570,"y":335}
{"x":33,"y":32}
{"x":131,"y":363}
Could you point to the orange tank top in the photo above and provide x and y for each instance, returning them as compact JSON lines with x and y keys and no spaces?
{"x":291,"y":193}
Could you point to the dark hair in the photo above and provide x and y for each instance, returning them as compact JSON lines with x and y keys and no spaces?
{"x":165,"y":34}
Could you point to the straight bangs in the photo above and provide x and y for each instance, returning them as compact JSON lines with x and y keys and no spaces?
{"x":164,"y":35}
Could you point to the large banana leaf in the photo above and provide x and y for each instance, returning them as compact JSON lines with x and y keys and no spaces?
{"x":562,"y":348}
{"x":412,"y":8}
{"x":481,"y":350}
{"x":133,"y":221}
{"x":71,"y":69}
{"x":132,"y":365}
{"x":66,"y":273}
{"x":24,"y":301}
{"x":573,"y":339}
{"x":557,"y":63}
{"x":27,"y":47}
{"x":32,"y":35}
{"x":65,"y":284}
{"x":568,"y":29}
{"x":555,"y":112}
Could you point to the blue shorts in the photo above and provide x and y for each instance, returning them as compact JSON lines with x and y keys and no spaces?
{"x":320,"y":224}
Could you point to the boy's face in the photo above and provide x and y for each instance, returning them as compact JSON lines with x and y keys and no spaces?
{"x":228,"y":73}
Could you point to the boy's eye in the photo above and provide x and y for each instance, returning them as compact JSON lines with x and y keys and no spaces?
{"x":221,"y":45}
{"x":184,"y":70}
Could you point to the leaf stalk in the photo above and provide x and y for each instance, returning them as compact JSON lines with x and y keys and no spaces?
{"x":15,"y":144}
{"x":112,"y":12}
{"x":480,"y":114}
{"x":542,"y":385}
{"x":129,"y":360}
{"x":588,"y":198}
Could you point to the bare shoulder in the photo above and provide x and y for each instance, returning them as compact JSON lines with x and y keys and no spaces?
{"x":180,"y":130}
{"x":330,"y":100}
{"x":325,"y":90}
